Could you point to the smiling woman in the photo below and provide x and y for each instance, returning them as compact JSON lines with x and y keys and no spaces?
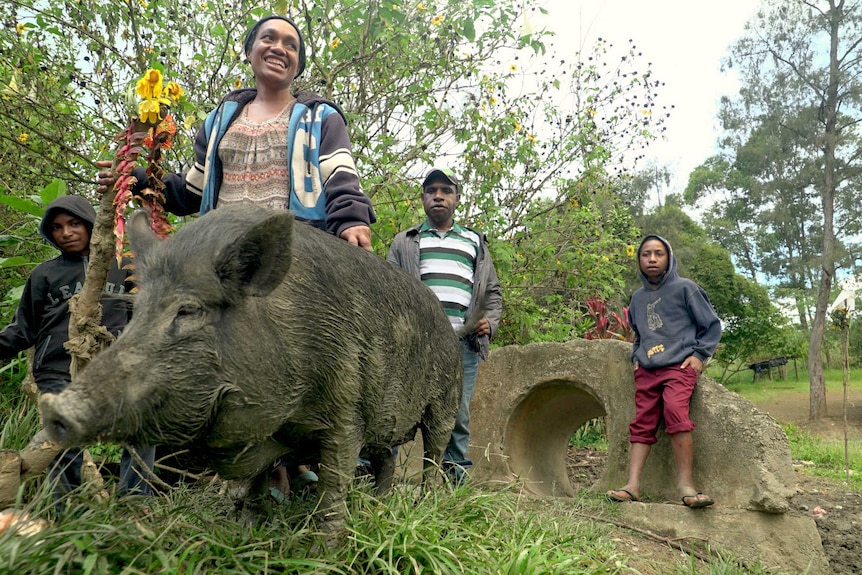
{"x":272,"y":147}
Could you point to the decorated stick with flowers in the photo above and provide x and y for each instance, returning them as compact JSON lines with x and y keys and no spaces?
{"x":152,"y":129}
{"x":153,"y":115}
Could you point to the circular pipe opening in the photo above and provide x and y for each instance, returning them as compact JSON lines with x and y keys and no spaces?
{"x":539,"y":430}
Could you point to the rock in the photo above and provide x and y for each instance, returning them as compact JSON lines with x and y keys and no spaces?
{"x":785,"y":542}
{"x":530,"y":399}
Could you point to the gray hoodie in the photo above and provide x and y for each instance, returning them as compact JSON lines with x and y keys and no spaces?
{"x":42,"y":317}
{"x":672,"y":319}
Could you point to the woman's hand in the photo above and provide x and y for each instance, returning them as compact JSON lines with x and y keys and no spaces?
{"x":105,"y":177}
{"x":358,"y":236}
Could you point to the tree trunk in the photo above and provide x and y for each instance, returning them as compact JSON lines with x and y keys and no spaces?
{"x":817,"y":400}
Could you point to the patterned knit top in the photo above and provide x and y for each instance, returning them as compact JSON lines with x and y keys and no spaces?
{"x":253,"y":156}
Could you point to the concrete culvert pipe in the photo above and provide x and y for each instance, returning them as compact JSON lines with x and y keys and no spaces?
{"x":530,"y":399}
{"x":539,"y":430}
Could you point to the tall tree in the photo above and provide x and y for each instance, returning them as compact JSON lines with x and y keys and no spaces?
{"x":797,"y":57}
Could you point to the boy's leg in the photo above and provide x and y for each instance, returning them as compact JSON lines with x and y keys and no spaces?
{"x":65,"y":475}
{"x":648,"y":393}
{"x":683,"y":453}
{"x":677,"y":399}
{"x":133,"y":479}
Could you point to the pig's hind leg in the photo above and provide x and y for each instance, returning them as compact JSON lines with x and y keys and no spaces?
{"x":383,"y":463}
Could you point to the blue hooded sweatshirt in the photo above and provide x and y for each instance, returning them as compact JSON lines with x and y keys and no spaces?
{"x":672,"y":319}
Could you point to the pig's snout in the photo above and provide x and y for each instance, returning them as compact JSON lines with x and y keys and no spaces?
{"x":57,"y":426}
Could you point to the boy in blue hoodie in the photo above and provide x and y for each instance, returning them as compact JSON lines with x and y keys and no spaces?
{"x":42,"y":321}
{"x":676,"y":332}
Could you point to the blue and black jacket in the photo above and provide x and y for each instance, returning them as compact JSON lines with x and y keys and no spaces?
{"x":326,"y":189}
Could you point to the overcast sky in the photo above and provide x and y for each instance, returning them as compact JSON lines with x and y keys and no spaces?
{"x":684,"y":40}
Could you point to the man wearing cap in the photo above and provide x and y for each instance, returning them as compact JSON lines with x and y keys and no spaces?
{"x":454,"y":262}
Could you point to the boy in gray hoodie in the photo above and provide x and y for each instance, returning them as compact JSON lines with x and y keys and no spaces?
{"x":676,"y":332}
{"x":42,"y":321}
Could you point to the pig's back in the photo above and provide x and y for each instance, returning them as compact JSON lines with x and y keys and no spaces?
{"x":384,"y":328}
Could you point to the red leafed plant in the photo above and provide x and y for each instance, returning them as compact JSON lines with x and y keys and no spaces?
{"x":155,"y":118}
{"x":605,"y":325}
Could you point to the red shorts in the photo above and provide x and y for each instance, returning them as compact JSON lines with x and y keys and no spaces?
{"x":662,"y":393}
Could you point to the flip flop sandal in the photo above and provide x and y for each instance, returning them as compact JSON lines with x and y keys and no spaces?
{"x":612,"y":496}
{"x":700,"y":500}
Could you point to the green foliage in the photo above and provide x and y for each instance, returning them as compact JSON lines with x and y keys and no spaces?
{"x":19,"y":417}
{"x":593,"y":433}
{"x":460,"y":83}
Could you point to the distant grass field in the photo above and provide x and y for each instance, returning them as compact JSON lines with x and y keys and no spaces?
{"x":762,"y":388}
{"x":823,"y":454}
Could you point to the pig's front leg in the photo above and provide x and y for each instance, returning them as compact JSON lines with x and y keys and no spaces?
{"x":338,"y":457}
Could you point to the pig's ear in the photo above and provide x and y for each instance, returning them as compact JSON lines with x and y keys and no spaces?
{"x":256,"y":263}
{"x":141,"y":237}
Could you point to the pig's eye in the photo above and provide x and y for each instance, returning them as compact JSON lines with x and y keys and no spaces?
{"x":189,"y":311}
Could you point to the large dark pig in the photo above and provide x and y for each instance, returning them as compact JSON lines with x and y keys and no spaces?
{"x":255,"y":338}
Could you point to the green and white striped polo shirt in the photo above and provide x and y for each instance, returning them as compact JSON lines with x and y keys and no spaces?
{"x":447,"y":264}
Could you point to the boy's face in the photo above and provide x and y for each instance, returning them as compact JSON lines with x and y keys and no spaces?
{"x":71,"y":234}
{"x":653,"y":259}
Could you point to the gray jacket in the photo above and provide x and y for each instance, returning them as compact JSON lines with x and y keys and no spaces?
{"x":404,"y":252}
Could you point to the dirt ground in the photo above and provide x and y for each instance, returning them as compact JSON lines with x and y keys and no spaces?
{"x":836,"y":510}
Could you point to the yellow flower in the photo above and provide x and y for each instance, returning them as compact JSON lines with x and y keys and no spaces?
{"x":149,"y":111}
{"x":513,"y":68}
{"x":175,"y":91}
{"x":237,"y":83}
{"x":531,"y":137}
{"x":630,"y":250}
{"x":23,"y":137}
{"x":591,"y":112}
{"x":20,"y":28}
{"x":421,"y":6}
{"x":646,"y":112}
{"x":517,"y":126}
{"x":437,"y":20}
{"x":150,"y":85}
{"x":334,"y":44}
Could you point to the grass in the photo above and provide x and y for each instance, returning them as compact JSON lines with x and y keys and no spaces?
{"x":826,"y":457}
{"x":447,"y":531}
{"x":765,"y":388}
{"x":193,"y":529}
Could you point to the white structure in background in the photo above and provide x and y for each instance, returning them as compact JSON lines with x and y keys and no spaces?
{"x":847,"y":298}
